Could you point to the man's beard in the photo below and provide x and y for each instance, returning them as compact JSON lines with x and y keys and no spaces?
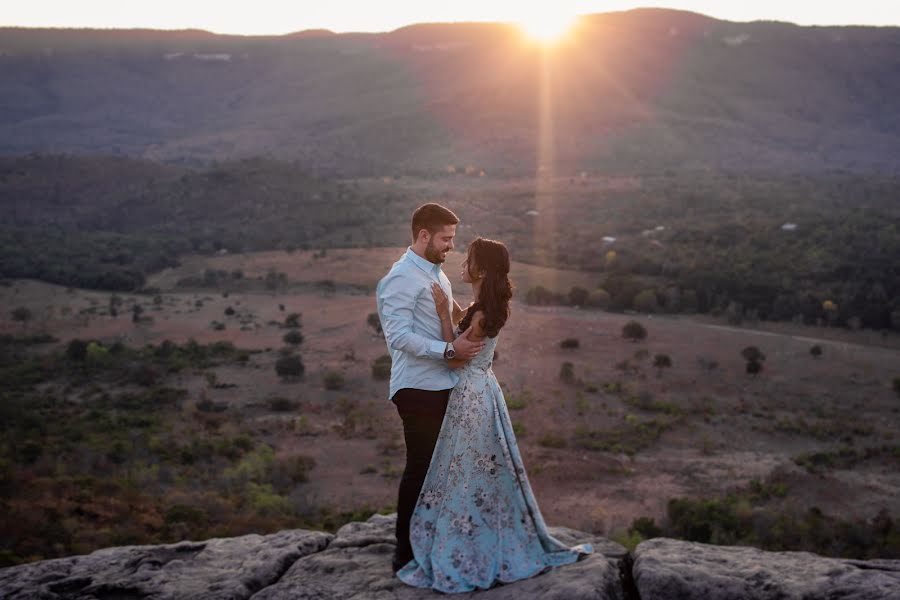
{"x":432,"y":255}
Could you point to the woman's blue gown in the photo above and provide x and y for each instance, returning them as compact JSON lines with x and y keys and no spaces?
{"x":476,"y":521}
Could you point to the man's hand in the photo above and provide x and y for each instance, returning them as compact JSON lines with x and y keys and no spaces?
{"x":465,"y":348}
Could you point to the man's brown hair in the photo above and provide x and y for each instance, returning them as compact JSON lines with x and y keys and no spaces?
{"x":432,"y":217}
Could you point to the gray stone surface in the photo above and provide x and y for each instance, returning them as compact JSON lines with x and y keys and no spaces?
{"x":666,"y":569}
{"x":357,"y":565}
{"x":227,"y":568}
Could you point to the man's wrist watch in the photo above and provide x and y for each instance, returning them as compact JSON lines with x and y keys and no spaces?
{"x":449,"y":352}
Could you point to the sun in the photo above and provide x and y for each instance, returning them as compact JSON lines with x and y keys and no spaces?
{"x":547,"y":28}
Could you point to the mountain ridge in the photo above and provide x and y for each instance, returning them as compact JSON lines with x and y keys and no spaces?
{"x":637,"y":91}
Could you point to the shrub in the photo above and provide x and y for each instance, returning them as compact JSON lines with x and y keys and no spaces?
{"x":381,"y":368}
{"x":646,"y":301}
{"x":292,"y":320}
{"x":333,"y":380}
{"x":598,"y":298}
{"x":634,"y":331}
{"x":375,"y":323}
{"x":567,"y":372}
{"x":289,"y":365}
{"x":297,"y":468}
{"x":816,"y":351}
{"x":77,"y":350}
{"x":647,"y":527}
{"x":754,"y":367}
{"x":145,"y":375}
{"x":293,"y":337}
{"x":22,"y":314}
{"x":569,"y":343}
{"x":753,"y":354}
{"x":662,"y":361}
{"x":229,"y":311}
{"x":552,"y":440}
{"x":578,"y":296}
{"x":541,"y":295}
{"x":282,"y":404}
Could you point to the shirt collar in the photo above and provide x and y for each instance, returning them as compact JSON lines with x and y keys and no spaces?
{"x":425,"y":265}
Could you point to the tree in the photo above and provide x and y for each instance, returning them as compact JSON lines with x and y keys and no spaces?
{"x":289,"y":366}
{"x":752,"y":353}
{"x":292,"y":320}
{"x":374,"y":322}
{"x":578,"y":296}
{"x":754,"y":358}
{"x":115,"y":301}
{"x":77,"y":350}
{"x":333,"y":380}
{"x":567,"y":373}
{"x":599,"y":298}
{"x":816,"y":351}
{"x":381,"y":368}
{"x":634,"y":331}
{"x":22,"y":314}
{"x":136,"y":311}
{"x":293,"y":337}
{"x":646,"y":301}
{"x":661,"y":361}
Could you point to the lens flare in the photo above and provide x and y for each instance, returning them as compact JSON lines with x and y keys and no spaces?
{"x":546,"y":28}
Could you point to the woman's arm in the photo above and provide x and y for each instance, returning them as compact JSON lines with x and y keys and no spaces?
{"x":459,"y":313}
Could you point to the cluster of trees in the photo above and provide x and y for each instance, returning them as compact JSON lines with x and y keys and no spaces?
{"x":84,"y":465}
{"x":820,"y":248}
{"x":289,"y":365}
{"x":105,"y":223}
{"x":744,"y":519}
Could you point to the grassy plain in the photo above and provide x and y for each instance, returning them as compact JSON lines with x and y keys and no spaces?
{"x":612,"y":443}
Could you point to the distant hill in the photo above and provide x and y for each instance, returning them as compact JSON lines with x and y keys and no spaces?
{"x":639,"y":91}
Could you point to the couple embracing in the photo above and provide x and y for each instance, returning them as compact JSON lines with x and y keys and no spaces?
{"x":466,"y":516}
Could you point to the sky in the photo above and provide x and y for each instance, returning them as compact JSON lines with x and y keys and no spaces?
{"x":278,"y":17}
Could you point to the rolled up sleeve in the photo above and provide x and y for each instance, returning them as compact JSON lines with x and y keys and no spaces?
{"x":397,"y":302}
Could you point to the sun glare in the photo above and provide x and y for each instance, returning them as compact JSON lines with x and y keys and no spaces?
{"x":546,"y":28}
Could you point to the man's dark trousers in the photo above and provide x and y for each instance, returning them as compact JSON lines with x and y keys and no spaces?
{"x":422,"y":412}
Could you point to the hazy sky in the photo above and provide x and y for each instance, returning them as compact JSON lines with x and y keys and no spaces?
{"x":276,"y":17}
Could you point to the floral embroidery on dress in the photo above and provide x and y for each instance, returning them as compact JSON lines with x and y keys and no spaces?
{"x":477,"y":522}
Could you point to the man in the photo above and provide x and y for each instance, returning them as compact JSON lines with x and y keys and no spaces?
{"x":421,"y":378}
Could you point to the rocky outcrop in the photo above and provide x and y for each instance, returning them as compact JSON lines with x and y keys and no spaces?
{"x":355,"y":563}
{"x":232,"y":568}
{"x":674,"y":569}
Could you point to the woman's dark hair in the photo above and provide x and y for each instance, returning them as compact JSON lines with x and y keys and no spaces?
{"x":492,"y":258}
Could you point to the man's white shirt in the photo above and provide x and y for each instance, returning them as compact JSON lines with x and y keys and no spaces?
{"x":412,"y":328}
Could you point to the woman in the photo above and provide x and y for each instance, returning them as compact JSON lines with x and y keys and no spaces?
{"x":476,"y":522}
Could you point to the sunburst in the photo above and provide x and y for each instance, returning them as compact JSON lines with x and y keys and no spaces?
{"x":547,"y":27}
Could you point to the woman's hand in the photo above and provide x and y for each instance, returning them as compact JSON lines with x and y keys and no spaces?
{"x":441,"y":302}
